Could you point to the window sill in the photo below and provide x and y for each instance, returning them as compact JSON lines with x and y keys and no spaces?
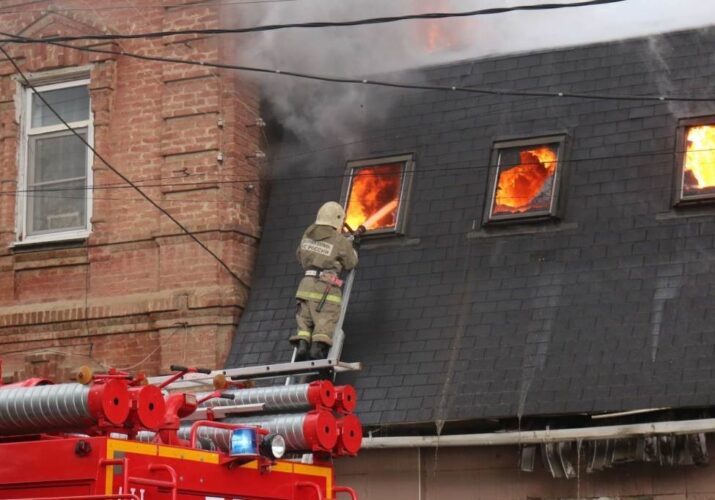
{"x":687,"y":211}
{"x":394,"y":241}
{"x":74,"y":238}
{"x":496,"y":231}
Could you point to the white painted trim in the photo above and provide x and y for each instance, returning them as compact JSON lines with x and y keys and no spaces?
{"x":61,"y":85}
{"x":53,"y":76}
{"x":77,"y":234}
{"x":544,"y":436}
{"x":49,"y":129}
{"x":26,"y":131}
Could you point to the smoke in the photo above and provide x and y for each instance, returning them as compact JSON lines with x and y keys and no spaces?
{"x":318,"y":111}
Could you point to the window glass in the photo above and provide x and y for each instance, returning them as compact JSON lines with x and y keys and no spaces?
{"x":57,"y":157}
{"x":525,"y":181}
{"x":57,"y":162}
{"x":699,"y":162}
{"x":375,"y":196}
{"x":72,"y":104}
{"x":58,"y":206}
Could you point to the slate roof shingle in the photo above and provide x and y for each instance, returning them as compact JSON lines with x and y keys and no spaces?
{"x":611,"y":309}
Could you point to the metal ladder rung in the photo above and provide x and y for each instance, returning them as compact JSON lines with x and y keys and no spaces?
{"x":338,"y":335}
{"x":262,"y":371}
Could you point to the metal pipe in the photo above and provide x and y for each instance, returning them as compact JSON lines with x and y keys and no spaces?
{"x":544,"y":436}
{"x":44,"y":408}
{"x":299,"y":397}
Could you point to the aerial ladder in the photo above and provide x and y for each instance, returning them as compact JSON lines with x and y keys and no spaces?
{"x":291,"y":370}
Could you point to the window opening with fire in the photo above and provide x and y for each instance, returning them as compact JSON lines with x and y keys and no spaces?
{"x":524,"y":179}
{"x":376,"y":194}
{"x":697,"y":175}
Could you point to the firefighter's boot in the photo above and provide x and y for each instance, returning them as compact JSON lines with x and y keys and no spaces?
{"x":302,"y":351}
{"x":319,"y":350}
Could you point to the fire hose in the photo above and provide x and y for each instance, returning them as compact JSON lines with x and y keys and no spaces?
{"x":302,"y":432}
{"x":313,"y":431}
{"x":300,"y":397}
{"x":28,"y":410}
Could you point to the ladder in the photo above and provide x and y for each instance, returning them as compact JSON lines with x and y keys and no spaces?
{"x":336,"y":349}
{"x":332,"y":363}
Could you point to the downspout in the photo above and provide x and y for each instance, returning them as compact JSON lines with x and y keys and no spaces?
{"x":544,"y":436}
{"x":419,"y":474}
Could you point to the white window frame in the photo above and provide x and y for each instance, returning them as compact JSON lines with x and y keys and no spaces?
{"x":26,"y":132}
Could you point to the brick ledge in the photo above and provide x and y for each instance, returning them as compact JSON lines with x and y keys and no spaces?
{"x":107,"y":307}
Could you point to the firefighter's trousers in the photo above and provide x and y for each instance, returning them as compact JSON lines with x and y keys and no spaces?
{"x":316,"y":326}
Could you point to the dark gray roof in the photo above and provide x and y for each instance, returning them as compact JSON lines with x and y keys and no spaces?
{"x":611,"y":309}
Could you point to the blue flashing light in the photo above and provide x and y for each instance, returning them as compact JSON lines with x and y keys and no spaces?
{"x":244,"y":442}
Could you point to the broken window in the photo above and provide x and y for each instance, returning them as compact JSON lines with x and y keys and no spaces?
{"x":55,"y":171}
{"x":376,"y":194}
{"x":696,"y":175}
{"x":524,"y":179}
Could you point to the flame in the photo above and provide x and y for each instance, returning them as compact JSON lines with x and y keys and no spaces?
{"x":699,"y":167}
{"x":526,"y":186}
{"x":375,"y":196}
{"x":436,"y":35}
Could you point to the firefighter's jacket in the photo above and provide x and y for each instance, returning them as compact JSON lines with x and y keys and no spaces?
{"x":322,"y":248}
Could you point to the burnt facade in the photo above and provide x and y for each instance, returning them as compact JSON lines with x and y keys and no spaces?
{"x":598,"y":300}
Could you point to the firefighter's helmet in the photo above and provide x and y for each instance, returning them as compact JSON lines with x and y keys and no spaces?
{"x":331,"y":214}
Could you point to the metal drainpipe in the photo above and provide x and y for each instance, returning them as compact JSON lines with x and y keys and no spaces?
{"x":543,"y":436}
{"x":419,"y":473}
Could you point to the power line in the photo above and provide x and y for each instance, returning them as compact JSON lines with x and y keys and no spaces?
{"x":445,"y":170}
{"x":318,"y":24}
{"x":378,"y":83}
{"x":119,"y":174}
{"x":52,"y":7}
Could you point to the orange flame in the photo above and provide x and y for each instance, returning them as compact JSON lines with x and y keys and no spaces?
{"x":375,"y":196}
{"x":437,"y":35}
{"x":699,"y":167}
{"x":526,"y":187}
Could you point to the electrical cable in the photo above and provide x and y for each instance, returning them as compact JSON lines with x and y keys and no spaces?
{"x":445,"y":170}
{"x":183,"y":325}
{"x":382,"y":83}
{"x":317,"y":24}
{"x":59,"y":8}
{"x":119,"y":174}
{"x":105,"y":334}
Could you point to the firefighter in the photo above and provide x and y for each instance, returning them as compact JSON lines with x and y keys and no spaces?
{"x":324,"y":253}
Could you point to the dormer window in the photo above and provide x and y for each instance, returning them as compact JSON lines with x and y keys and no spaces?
{"x":696,"y":172}
{"x":524,"y":179}
{"x":376,"y":194}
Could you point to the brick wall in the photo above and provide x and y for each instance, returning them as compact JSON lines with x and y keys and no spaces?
{"x":137,"y":292}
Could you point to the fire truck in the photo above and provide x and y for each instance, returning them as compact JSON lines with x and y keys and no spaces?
{"x":115,"y":435}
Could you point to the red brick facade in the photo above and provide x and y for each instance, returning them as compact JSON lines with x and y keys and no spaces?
{"x":137,"y":293}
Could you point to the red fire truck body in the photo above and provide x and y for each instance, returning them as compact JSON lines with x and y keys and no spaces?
{"x":101,"y":467}
{"x":116,"y":437}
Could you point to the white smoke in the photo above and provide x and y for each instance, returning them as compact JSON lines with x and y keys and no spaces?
{"x":316,"y":111}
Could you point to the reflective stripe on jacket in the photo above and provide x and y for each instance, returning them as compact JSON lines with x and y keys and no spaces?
{"x":325,"y":249}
